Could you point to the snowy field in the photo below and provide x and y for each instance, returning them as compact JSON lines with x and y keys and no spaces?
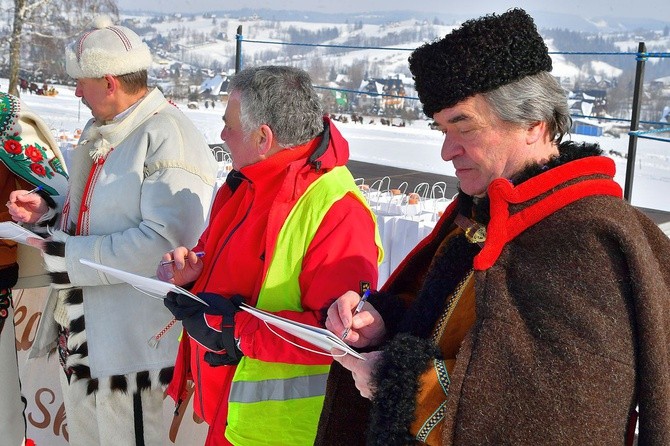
{"x":414,"y":147}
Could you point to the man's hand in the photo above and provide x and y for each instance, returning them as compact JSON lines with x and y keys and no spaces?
{"x":366,"y":328}
{"x":211,"y":325}
{"x":179,"y":266}
{"x":26,"y":207}
{"x":182,"y":306}
{"x":360,"y":370}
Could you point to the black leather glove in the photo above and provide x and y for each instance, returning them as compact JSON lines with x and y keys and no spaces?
{"x":218,"y":359}
{"x":182,"y":306}
{"x":220,"y":340}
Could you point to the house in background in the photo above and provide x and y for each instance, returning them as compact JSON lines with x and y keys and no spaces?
{"x":589,"y":127}
{"x":214,"y":88}
{"x":385,"y":94}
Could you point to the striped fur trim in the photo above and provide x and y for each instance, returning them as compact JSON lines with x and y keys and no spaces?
{"x":78,"y":358}
{"x":134,"y":382}
{"x":49,"y":219}
{"x":54,"y":260}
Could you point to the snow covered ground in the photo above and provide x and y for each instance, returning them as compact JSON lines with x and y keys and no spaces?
{"x":414,"y":146}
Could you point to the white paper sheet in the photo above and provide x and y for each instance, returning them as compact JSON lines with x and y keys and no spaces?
{"x":318,"y":337}
{"x":153,"y":287}
{"x":12,"y":231}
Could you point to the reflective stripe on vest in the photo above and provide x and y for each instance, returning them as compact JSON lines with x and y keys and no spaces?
{"x":278,"y":403}
{"x":274,"y":390}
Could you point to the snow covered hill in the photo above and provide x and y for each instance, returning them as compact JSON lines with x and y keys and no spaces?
{"x":415,"y":147}
{"x":209,"y":40}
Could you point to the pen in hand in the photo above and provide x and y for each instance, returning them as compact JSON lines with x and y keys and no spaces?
{"x":38,"y":188}
{"x":170,"y":262}
{"x":358,"y":309}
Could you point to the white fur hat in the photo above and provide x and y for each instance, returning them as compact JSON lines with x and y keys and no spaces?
{"x":106,"y":49}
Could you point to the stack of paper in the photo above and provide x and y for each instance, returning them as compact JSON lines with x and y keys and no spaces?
{"x":318,"y":337}
{"x":153,"y":287}
{"x":12,"y":231}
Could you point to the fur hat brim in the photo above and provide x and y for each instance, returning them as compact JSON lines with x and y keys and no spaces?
{"x":97,"y":62}
{"x":481,"y":55}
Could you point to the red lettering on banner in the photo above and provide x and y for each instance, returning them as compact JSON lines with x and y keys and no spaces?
{"x":59,"y":424}
{"x":25,"y":332}
{"x":26,"y":337}
{"x":42,"y":408}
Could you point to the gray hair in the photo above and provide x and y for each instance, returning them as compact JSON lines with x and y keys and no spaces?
{"x":531,"y":99}
{"x":283,"y":99}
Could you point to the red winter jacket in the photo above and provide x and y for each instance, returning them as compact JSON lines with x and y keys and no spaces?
{"x":245,"y":220}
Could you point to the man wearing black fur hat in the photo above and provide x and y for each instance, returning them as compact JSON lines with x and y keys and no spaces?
{"x":536,"y":312}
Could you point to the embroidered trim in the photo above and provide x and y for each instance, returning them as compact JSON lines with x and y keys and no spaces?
{"x":451,"y":305}
{"x":442,"y":375}
{"x":155,"y":339}
{"x":27,"y":159}
{"x":437,"y":416}
{"x":80,"y":44}
{"x":122,"y":36}
{"x":431,"y":422}
{"x":83,"y":220}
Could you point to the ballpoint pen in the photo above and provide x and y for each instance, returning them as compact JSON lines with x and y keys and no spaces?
{"x":358,"y":309}
{"x":170,"y":262}
{"x":38,"y":188}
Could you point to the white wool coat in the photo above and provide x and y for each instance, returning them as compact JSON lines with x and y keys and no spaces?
{"x":152,"y":194}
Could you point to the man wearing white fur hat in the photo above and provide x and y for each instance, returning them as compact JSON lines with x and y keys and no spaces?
{"x":141,"y":183}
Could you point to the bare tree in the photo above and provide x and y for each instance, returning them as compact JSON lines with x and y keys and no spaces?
{"x":620,"y":98}
{"x":50,"y":24}
{"x":317,"y":70}
{"x":22,"y":11}
{"x":357,"y":73}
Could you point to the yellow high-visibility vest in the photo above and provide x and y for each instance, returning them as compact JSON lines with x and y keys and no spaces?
{"x":279,"y":403}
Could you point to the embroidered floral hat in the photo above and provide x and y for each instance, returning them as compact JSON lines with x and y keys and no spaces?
{"x":28,"y":148}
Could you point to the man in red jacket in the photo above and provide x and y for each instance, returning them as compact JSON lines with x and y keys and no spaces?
{"x":288,"y":232}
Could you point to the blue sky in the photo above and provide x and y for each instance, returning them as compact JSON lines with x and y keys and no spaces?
{"x":618,"y":8}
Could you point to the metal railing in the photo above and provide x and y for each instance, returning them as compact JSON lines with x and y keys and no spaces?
{"x":634,"y":132}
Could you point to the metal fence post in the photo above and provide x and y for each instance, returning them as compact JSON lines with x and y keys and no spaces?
{"x":238,"y":50}
{"x":635,"y":120}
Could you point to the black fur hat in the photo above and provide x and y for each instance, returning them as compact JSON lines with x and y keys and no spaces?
{"x":480,"y":56}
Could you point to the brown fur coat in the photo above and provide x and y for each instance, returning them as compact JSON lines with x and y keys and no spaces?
{"x":571,"y":332}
